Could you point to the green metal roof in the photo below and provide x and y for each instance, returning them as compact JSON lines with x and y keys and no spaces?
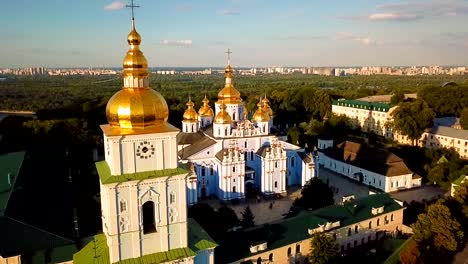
{"x":198,"y":238}
{"x":24,"y":238}
{"x":358,"y":210}
{"x":107,"y":178}
{"x":10,"y":165}
{"x":97,"y":252}
{"x":459,"y":180}
{"x":296,"y":229}
{"x":381,"y":107}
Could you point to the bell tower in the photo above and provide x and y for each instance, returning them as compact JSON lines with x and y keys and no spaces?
{"x":143,"y":191}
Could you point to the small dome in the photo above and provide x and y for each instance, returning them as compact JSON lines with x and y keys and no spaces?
{"x":229,"y":94}
{"x":190,"y":114}
{"x":266,"y":106}
{"x":137,"y":108}
{"x":205,"y":110}
{"x":223,"y":117}
{"x":260,"y":115}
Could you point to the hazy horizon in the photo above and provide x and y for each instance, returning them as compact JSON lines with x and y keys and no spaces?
{"x":261,"y":33}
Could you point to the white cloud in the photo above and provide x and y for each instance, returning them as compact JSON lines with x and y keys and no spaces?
{"x":184,"y":43}
{"x":366,"y":41}
{"x":428,"y":8}
{"x":393,"y":17}
{"x":116,"y":5}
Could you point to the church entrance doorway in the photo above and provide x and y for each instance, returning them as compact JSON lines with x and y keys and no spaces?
{"x":249,"y":189}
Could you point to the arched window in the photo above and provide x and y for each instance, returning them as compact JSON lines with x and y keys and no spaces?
{"x":245,"y":144}
{"x":149,"y":222}
{"x":172,"y":198}
{"x":349,"y":231}
{"x":234,"y":189}
{"x":270,"y":258}
{"x":356,"y":229}
{"x":298,"y":248}
{"x":289,"y":251}
{"x":276,"y":164}
{"x":234,"y":116}
{"x":211,"y":170}
{"x":378,"y":221}
{"x":203,"y":173}
{"x":370,"y":224}
{"x":391,"y":217}
{"x":233,"y":169}
{"x":123,"y":206}
{"x":259,"y":260}
{"x":276,"y":184}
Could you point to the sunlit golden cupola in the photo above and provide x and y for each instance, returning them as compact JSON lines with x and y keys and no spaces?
{"x":136,"y":106}
{"x":229,"y":94}
{"x":223,"y":116}
{"x":190,"y":115}
{"x":205,"y":109}
{"x":260,"y":115}
{"x":266,"y":106}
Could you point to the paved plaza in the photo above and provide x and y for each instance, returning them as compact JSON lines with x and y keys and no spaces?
{"x":271,"y":210}
{"x":342,"y":186}
{"x":265,"y":211}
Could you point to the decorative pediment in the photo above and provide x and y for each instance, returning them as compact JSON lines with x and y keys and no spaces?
{"x":149,"y":195}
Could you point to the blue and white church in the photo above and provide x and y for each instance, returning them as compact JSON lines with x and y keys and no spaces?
{"x":232,"y":155}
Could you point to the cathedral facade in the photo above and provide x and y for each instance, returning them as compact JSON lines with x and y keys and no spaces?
{"x":234,"y":156}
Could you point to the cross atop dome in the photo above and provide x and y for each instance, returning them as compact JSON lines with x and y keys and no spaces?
{"x":132,"y":6}
{"x":229,"y":52}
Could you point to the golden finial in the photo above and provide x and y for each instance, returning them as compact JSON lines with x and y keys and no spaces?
{"x":136,"y":106}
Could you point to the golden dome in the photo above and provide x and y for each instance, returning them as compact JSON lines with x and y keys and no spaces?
{"x":223,"y":117}
{"x":229,"y":94}
{"x":190,"y":114}
{"x":205,"y":110}
{"x":136,"y":106}
{"x":260,"y":115}
{"x":266,"y":106}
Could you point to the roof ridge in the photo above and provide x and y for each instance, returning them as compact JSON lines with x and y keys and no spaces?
{"x":40,"y":229}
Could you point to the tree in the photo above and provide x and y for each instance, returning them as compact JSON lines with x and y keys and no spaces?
{"x":464,"y":118}
{"x":315,"y":194}
{"x":324,"y":249}
{"x":410,"y":253}
{"x":227,"y":217}
{"x":293,"y":135}
{"x":436,"y":232}
{"x":247,"y":218}
{"x":397,"y":98}
{"x":412,"y":118}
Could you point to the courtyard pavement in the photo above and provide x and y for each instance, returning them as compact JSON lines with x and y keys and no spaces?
{"x":423,"y":193}
{"x":342,"y":186}
{"x":261,"y":210}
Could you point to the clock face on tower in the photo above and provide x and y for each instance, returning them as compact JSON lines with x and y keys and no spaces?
{"x":145,"y":150}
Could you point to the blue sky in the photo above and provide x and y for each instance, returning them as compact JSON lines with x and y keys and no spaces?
{"x":68,"y":33}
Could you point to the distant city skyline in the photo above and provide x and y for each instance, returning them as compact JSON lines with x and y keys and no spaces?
{"x":178,"y":33}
